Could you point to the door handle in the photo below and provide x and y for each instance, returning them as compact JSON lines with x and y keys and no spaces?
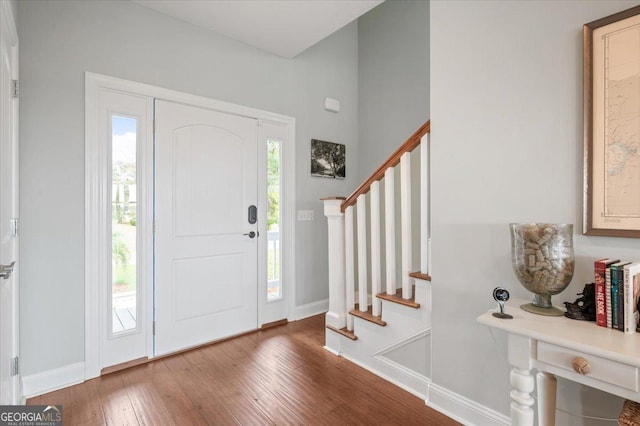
{"x":253,"y":214}
{"x":251,"y":234}
{"x":6,"y":270}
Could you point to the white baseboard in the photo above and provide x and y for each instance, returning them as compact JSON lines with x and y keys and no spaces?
{"x":462,"y":409}
{"x":416,"y":377}
{"x":311,"y":309}
{"x":47,"y":381}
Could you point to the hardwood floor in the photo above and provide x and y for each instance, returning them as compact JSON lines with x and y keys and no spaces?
{"x":278,"y":376}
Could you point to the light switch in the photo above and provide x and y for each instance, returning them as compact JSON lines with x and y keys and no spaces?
{"x":305,"y":215}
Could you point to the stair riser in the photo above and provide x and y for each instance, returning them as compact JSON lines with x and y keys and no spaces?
{"x":377,"y":337}
{"x":394,"y":313}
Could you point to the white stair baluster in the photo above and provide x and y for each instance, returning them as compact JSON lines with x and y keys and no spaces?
{"x":405,"y":213}
{"x":390,"y":228}
{"x":350,"y":264}
{"x":424,"y":204}
{"x":362,"y":252}
{"x":376,"y":279}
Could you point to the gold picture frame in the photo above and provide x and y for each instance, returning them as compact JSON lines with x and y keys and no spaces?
{"x":612,"y":125}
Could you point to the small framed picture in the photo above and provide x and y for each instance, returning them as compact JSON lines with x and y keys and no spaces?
{"x":327,"y":159}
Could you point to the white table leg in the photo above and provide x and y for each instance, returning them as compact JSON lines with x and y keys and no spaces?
{"x":546,"y":392}
{"x":522,"y":384}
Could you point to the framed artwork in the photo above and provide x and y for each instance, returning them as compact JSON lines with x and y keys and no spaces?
{"x":327,"y":159}
{"x":612,"y":125}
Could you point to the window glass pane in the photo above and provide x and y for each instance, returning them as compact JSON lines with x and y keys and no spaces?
{"x":123,"y":223}
{"x":274,"y":286}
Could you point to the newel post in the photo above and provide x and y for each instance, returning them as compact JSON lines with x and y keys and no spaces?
{"x":337,"y":292}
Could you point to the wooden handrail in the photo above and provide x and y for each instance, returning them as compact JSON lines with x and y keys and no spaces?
{"x":408,"y":146}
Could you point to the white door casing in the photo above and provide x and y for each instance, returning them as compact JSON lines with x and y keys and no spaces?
{"x":95,"y":201}
{"x":9,"y":315}
{"x":206,"y":261}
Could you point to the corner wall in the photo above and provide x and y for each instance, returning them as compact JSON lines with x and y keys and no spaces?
{"x":393,"y":78}
{"x":506,"y":105}
{"x":59,"y":41}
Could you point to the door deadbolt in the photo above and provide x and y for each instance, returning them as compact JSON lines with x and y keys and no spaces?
{"x":253,"y":214}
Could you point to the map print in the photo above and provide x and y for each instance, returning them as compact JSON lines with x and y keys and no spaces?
{"x":622,"y":123}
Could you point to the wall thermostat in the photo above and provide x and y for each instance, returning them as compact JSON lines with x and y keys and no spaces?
{"x":332,"y":105}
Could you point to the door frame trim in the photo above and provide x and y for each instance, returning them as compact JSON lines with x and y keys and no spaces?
{"x":95,"y":261}
{"x":9,"y":30}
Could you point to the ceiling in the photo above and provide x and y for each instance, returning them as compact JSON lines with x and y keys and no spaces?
{"x":282,"y":27}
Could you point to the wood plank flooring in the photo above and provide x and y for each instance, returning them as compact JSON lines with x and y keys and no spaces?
{"x":278,"y":376}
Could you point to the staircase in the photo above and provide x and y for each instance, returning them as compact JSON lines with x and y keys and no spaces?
{"x":385,"y":329}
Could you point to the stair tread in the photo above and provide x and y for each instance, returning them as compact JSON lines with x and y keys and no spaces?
{"x":397,"y":298}
{"x":343,"y":331}
{"x":368,"y":316}
{"x":419,"y":275}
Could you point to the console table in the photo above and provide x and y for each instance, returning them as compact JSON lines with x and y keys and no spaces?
{"x":580,"y":351}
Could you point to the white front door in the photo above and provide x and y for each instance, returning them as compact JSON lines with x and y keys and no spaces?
{"x":8,"y":214}
{"x":206,"y":251}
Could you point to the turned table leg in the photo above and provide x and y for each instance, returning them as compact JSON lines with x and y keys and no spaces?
{"x":546,"y":392}
{"x":522,"y":385}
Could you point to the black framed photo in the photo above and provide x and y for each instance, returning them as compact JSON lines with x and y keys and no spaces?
{"x":327,"y":159}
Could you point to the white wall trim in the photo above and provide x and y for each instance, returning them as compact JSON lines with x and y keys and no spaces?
{"x":425,"y":381}
{"x":331,"y":350}
{"x":9,"y":41}
{"x":404,"y":342}
{"x":8,"y":21}
{"x":463,"y":409}
{"x":51,"y":380}
{"x":95,"y":199}
{"x":415,"y":376}
{"x":311,"y":309}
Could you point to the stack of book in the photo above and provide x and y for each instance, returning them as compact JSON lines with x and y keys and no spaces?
{"x":617,"y":294}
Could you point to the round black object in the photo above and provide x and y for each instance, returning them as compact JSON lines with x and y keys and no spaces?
{"x":500,"y":294}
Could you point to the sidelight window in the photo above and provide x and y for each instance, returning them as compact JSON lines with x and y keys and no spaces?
{"x":274,"y":253}
{"x":123,"y":223}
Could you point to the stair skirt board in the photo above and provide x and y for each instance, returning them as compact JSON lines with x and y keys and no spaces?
{"x":453,"y":405}
{"x":404,"y":378}
{"x":412,"y":355}
{"x":373,"y":352}
{"x":413,"y":338}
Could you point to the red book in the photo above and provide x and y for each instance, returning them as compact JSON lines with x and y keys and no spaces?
{"x":600,"y":267}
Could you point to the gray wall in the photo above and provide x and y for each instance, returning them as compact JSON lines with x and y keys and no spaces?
{"x":393,"y":78}
{"x":59,"y":41}
{"x":506,"y":104}
{"x":14,"y":7}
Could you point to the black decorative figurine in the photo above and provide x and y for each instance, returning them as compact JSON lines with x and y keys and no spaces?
{"x":584,"y":308}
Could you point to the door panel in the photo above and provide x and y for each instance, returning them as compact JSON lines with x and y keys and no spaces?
{"x":207,"y":285}
{"x":206,"y":269}
{"x":197,"y":184}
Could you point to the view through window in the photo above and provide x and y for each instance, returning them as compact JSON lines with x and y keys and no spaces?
{"x":274,"y":287}
{"x":123,"y":222}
